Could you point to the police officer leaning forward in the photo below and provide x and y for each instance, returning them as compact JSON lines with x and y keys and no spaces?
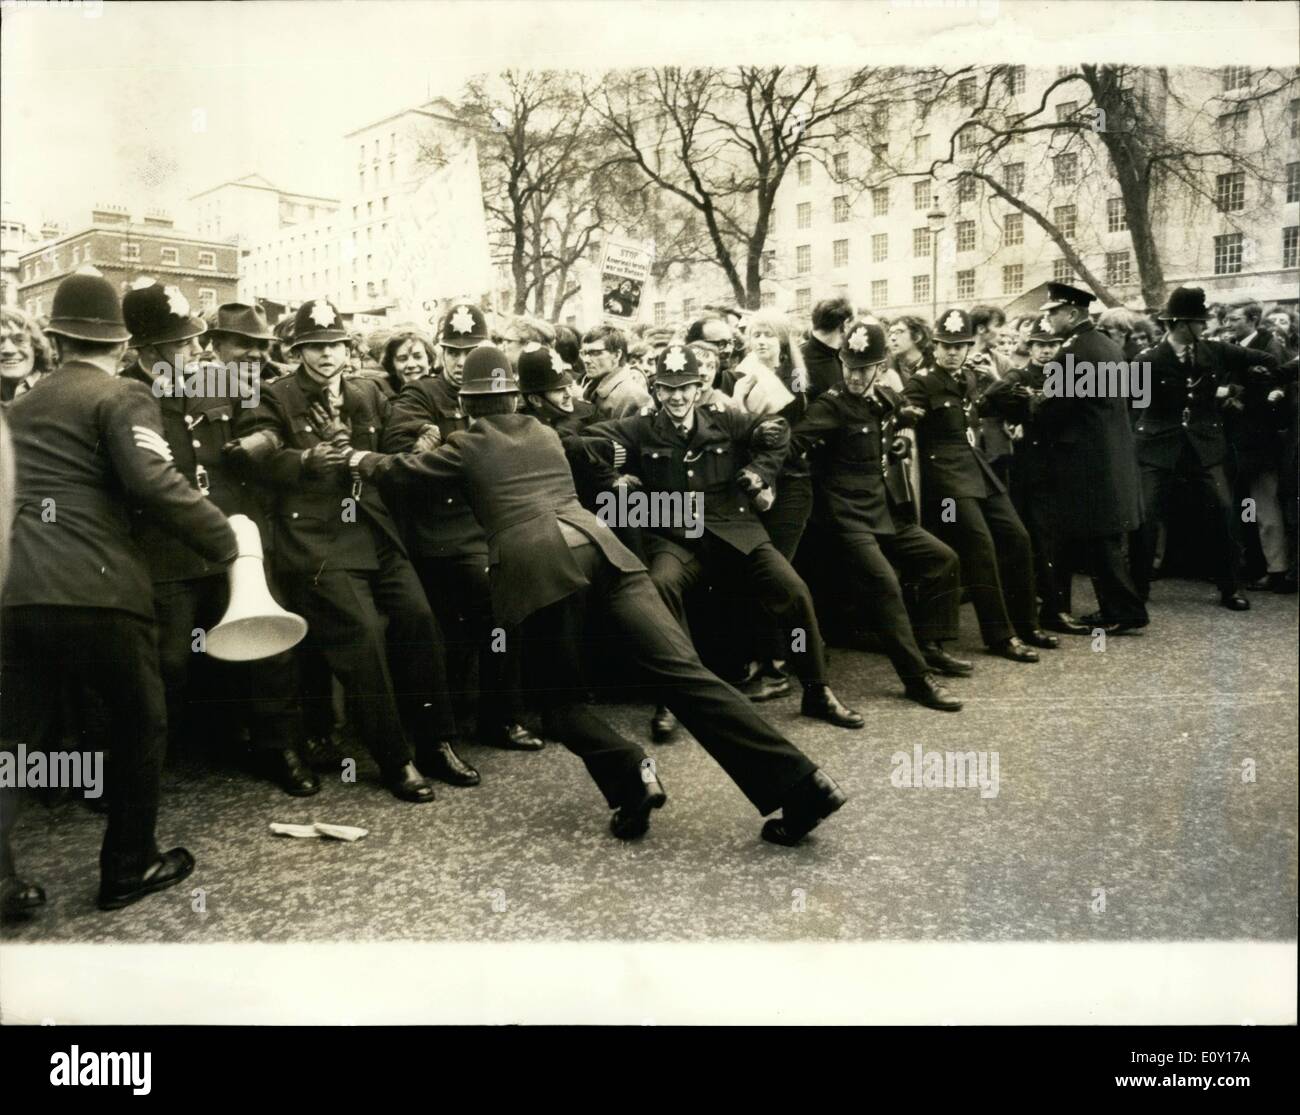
{"x":197,"y":413}
{"x":77,"y":603}
{"x":551,"y":561}
{"x":342,"y":563}
{"x":446,"y":543}
{"x":1182,"y":432}
{"x":965,"y":504}
{"x":850,"y":434}
{"x":726,"y":463}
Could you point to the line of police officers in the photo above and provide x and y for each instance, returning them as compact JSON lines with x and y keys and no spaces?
{"x":491,"y":471}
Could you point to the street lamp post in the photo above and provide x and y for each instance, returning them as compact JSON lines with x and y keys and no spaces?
{"x":935,"y":219}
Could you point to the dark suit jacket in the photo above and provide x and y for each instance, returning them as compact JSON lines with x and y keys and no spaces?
{"x":514,"y":472}
{"x":1031,"y":466}
{"x":308,"y":524}
{"x":951,"y":466}
{"x":823,"y":364}
{"x":1096,"y":490}
{"x":89,"y":447}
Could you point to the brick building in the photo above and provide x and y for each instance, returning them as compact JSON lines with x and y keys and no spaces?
{"x":207,"y":271}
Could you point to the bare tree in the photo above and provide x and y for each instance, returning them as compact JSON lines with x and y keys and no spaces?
{"x":1156,"y":134}
{"x":712,"y":146}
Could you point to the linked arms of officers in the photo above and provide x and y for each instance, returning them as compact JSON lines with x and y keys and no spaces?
{"x":412,"y":424}
{"x":260,"y":452}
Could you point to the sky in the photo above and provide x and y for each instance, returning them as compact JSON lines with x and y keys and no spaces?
{"x":144,"y":104}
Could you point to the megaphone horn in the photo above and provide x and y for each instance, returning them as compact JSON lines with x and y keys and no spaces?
{"x":254,"y":625}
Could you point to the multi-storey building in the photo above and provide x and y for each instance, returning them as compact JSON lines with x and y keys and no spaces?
{"x":205,"y":270}
{"x":250,"y":209}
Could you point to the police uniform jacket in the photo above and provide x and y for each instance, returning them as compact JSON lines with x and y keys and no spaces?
{"x":195,"y":429}
{"x":848,"y":438}
{"x":706,"y":461}
{"x":309,"y":527}
{"x":89,"y":447}
{"x":1031,"y":462}
{"x":515,"y":474}
{"x":1096,"y":488}
{"x":946,"y":435}
{"x":438,"y":522}
{"x":1185,"y":409}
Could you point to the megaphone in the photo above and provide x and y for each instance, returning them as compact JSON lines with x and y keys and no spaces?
{"x":254,"y":625}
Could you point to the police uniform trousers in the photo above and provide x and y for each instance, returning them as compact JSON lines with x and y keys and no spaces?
{"x":997,"y":565}
{"x":875,"y":562}
{"x":1211,"y":491}
{"x":377,"y":632}
{"x":1108,"y":562}
{"x":762,"y":574}
{"x":114,"y":655}
{"x":1052,"y":562}
{"x":762,"y":763}
{"x":264,"y":692}
{"x":457,"y":590}
{"x":785,"y":522}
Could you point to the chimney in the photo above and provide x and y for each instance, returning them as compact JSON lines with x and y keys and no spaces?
{"x":158,"y":218}
{"x":109,"y":215}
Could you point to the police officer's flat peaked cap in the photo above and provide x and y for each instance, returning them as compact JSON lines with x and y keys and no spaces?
{"x":242,"y":321}
{"x":676,"y":366}
{"x":487,"y":372}
{"x":864,"y":343}
{"x":87,"y":308}
{"x":158,"y":314}
{"x":463,"y":326}
{"x":317,"y":322}
{"x":1062,"y":294}
{"x":954,"y":327}
{"x":541,"y":370}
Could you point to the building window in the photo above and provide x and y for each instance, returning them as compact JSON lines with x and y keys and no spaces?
{"x":1236,"y":77}
{"x":880,"y":152}
{"x":1066,"y":71}
{"x":767,"y":262}
{"x":661,"y":313}
{"x":1116,"y":217}
{"x":805,"y":171}
{"x":1013,"y":228}
{"x":1066,"y":110}
{"x":1065,"y":217}
{"x":1232,"y":126}
{"x":207,"y":298}
{"x":840,"y":253}
{"x":803,"y":299}
{"x":880,"y":118}
{"x":965,"y":284}
{"x":879,"y":292}
{"x":803,"y":259}
{"x":921,"y":194}
{"x":880,"y":199}
{"x":384,"y":204}
{"x":1227,"y":254}
{"x":921,"y":147}
{"x":803,"y":215}
{"x":76,"y":256}
{"x":921,"y":243}
{"x":879,"y":247}
{"x":967,"y":140}
{"x":169,"y":255}
{"x":356,"y":212}
{"x":1118,"y":270}
{"x":1013,"y":178}
{"x":841,"y":165}
{"x":1294,"y":111}
{"x":841,"y":209}
{"x":920,"y":288}
{"x":208,"y":260}
{"x":1062,"y":272}
{"x":1015,"y":79}
{"x":1293,"y":181}
{"x":688,"y":307}
{"x":131,"y":252}
{"x":1230,"y":192}
{"x":967,"y":188}
{"x":965,"y":236}
{"x":1066,"y":169}
{"x":966,"y":91}
{"x":1013,"y":278}
{"x":767,"y":299}
{"x":1290,"y":236}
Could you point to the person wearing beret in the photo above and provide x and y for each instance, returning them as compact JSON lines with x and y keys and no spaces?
{"x":725,"y":463}
{"x":1096,"y":496}
{"x":1193,"y":381}
{"x":551,"y":562}
{"x":964,"y":504}
{"x":190,"y":593}
{"x":77,"y":604}
{"x":343,"y":565}
{"x":850,"y":434}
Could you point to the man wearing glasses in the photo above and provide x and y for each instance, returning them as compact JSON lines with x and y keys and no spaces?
{"x":716,"y":330}
{"x":613,"y":386}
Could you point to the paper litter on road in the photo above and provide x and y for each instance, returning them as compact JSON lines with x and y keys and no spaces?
{"x":318,"y":829}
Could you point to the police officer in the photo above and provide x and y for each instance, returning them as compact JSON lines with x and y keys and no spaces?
{"x":342,"y":563}
{"x":551,"y":559}
{"x":965,"y":504}
{"x":447,"y":545}
{"x":197,"y":412}
{"x":77,"y":602}
{"x":1010,"y":399}
{"x":851,"y":433}
{"x":721,"y":465}
{"x":1181,"y":431}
